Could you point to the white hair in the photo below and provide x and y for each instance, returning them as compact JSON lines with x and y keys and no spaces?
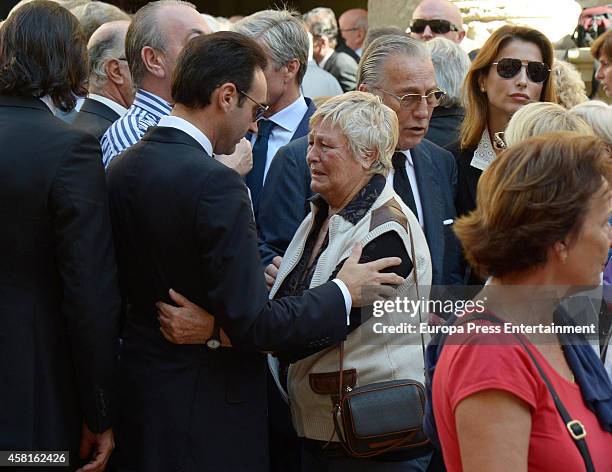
{"x":539,"y":118}
{"x":372,"y":62}
{"x":598,"y":115}
{"x":368,"y":124}
{"x":451,"y":64}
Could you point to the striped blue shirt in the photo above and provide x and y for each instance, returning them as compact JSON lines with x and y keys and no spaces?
{"x":146,"y":111}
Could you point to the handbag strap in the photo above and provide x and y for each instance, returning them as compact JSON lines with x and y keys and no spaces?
{"x":575,"y":427}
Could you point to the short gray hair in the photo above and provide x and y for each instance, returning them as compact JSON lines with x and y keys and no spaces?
{"x":321,"y":21}
{"x":100,"y":52}
{"x":92,"y":15}
{"x":598,"y":115}
{"x":539,"y":118}
{"x":367,"y":123}
{"x":145,"y":30}
{"x":372,"y":62}
{"x":283,"y":34}
{"x":451,"y":64}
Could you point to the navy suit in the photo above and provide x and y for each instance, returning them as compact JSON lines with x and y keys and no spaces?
{"x":301,"y":130}
{"x":285,"y":204}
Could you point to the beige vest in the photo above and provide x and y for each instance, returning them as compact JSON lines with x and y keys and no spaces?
{"x":374,"y":357}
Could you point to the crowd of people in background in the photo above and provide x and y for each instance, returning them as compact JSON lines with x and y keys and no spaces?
{"x":199,"y":214}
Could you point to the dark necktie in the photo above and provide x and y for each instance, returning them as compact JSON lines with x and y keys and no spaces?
{"x":254,"y":179}
{"x":401,"y":183}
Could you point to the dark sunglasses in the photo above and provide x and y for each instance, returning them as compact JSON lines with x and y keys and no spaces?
{"x":536,"y":71}
{"x":259,"y":112}
{"x":436,"y":26}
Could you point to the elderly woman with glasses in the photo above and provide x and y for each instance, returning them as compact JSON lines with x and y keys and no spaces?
{"x":511,"y":70}
{"x":351,"y":141}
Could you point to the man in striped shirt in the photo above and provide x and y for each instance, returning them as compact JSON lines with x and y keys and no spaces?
{"x":156,"y":36}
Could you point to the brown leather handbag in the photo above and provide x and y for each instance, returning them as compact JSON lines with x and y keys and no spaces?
{"x":384,"y":416}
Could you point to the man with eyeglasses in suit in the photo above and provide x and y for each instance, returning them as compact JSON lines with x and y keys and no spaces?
{"x":433,"y":18}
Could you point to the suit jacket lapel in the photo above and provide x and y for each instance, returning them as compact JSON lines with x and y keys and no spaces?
{"x":431,"y":202}
{"x":303,"y":127}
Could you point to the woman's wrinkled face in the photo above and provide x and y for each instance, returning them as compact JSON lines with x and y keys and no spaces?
{"x":333,"y":170}
{"x":587,"y":253}
{"x":505,"y":96}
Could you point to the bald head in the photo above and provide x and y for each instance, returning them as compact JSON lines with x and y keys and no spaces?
{"x":354,"y":27}
{"x":438,"y":10}
{"x":113,"y":30}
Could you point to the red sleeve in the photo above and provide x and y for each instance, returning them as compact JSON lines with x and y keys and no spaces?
{"x":476,"y":367}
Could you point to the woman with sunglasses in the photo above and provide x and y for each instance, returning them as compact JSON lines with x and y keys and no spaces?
{"x":511,"y":70}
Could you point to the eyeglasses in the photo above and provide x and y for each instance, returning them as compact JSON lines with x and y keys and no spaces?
{"x":536,"y":71}
{"x":260,"y":111}
{"x":436,"y":26}
{"x":410,"y":100}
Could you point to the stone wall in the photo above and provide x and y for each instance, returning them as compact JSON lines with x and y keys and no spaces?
{"x":555,"y":18}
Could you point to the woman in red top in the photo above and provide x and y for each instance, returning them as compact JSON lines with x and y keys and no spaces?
{"x":541,"y":223}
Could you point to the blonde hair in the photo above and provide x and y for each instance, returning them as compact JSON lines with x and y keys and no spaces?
{"x":598,"y":115}
{"x":367,"y":123}
{"x":476,"y":102}
{"x":540,"y":118}
{"x":570,"y":87}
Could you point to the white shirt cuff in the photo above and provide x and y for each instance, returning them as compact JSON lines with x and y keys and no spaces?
{"x":348,"y":300}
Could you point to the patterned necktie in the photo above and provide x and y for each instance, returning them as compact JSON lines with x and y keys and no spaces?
{"x":254,"y":179}
{"x":401,"y":183}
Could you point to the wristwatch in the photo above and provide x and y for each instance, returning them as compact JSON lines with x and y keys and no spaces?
{"x":214,"y":342}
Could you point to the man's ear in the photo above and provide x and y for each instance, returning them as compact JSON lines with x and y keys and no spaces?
{"x":293,"y":67}
{"x":363,"y":88}
{"x":113,"y":71}
{"x":460,"y":36}
{"x":225,"y":96}
{"x":153,"y":61}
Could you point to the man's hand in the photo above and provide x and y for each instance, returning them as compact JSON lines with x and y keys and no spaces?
{"x":365,"y":281}
{"x":241,"y":160}
{"x":98,"y":447}
{"x":186,"y":323}
{"x":272,"y":271}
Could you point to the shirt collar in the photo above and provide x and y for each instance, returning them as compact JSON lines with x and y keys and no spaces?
{"x":408,"y":157}
{"x":290,"y":117}
{"x":326,"y":58}
{"x":359,"y":51}
{"x":184,"y":125}
{"x":47,"y":100}
{"x":112,"y":104}
{"x":361,"y":203}
{"x":152,"y":104}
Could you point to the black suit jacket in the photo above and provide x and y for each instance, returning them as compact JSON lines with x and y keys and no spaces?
{"x":94,"y":118}
{"x":444,"y":125}
{"x":286,"y":204}
{"x":183,"y":220}
{"x":344,"y":68}
{"x":59,"y":299}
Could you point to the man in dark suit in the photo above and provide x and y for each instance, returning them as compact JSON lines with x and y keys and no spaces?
{"x":111,"y":91}
{"x":427,"y":173}
{"x":321,"y":22}
{"x":286,"y":44}
{"x":59,"y":299}
{"x":183,"y":221}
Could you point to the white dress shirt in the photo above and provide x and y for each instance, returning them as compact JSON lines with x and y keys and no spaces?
{"x":413,"y":184}
{"x":113,"y":105}
{"x":191,"y":130}
{"x":286,"y":121}
{"x":359,"y":51}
